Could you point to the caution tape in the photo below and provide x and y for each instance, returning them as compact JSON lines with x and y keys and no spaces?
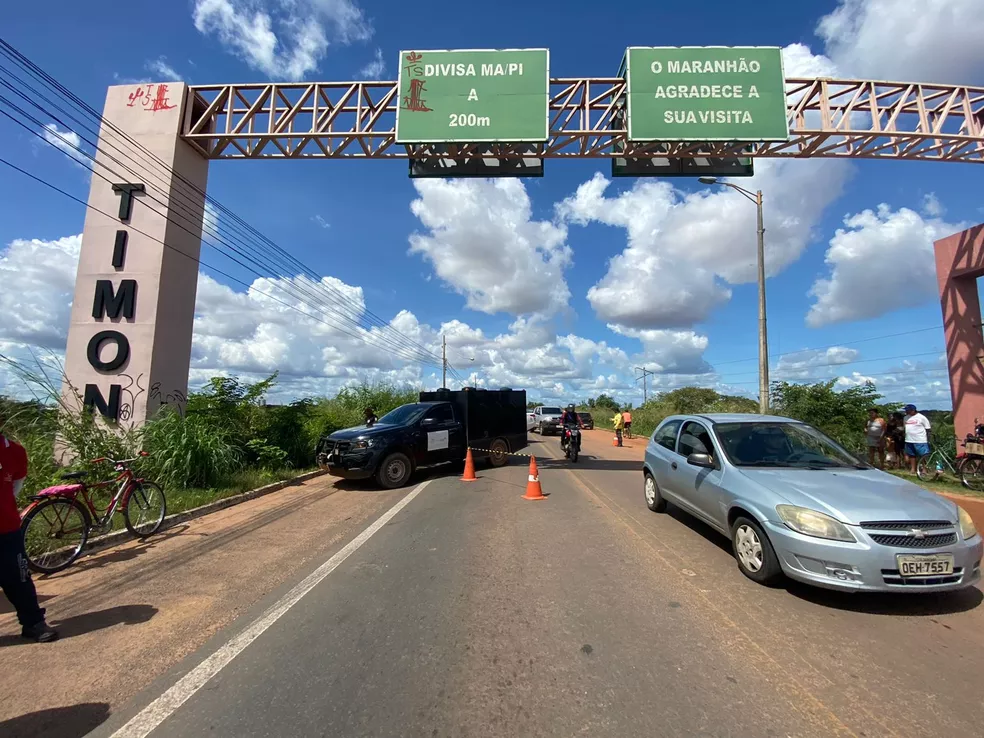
{"x":504,"y":453}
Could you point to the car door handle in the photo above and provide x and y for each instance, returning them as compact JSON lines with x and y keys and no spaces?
{"x":673,"y":465}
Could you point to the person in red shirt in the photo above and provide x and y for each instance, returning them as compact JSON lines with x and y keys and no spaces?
{"x":15,"y":578}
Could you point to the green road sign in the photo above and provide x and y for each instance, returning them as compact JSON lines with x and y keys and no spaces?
{"x":706,"y":93}
{"x":473,"y":96}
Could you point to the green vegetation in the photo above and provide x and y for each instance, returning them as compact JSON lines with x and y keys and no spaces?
{"x":685,"y":400}
{"x":227,"y":439}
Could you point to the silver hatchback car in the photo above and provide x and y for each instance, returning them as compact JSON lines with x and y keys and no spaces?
{"x":795,"y":503}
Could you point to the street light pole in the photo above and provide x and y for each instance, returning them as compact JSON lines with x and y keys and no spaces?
{"x":763,"y":327}
{"x":756,"y":197}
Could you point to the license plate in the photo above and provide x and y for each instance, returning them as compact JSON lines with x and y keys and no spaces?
{"x":929,"y":565}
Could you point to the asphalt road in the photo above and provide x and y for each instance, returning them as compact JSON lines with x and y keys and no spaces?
{"x":472,"y":612}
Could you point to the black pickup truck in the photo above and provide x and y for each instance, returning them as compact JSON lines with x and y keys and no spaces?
{"x":436,"y":430}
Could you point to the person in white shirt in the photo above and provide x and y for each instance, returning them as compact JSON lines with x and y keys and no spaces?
{"x":916,"y":436}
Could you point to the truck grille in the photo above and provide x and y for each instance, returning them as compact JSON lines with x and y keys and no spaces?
{"x":331,"y":447}
{"x":941,"y":539}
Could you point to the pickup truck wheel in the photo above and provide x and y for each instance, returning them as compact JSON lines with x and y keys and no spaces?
{"x":394,"y":471}
{"x":500,"y":453}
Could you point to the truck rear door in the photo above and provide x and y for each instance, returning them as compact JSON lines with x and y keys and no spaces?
{"x":442,"y":437}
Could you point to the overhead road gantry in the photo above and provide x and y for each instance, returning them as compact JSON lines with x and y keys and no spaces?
{"x":830,"y":118}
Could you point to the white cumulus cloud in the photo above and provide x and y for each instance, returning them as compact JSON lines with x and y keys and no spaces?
{"x":67,"y":141}
{"x":484,"y":243}
{"x":925,"y":41}
{"x":882,"y":260}
{"x":374,"y":69}
{"x":283,"y":39}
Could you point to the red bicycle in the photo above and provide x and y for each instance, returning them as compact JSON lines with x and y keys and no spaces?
{"x":57,"y":523}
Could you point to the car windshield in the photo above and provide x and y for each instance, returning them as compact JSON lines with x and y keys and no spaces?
{"x":551,"y":411}
{"x":781,"y":444}
{"x":584,"y":416}
{"x":403,"y":414}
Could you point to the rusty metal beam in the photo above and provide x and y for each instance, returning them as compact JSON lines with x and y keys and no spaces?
{"x":831,"y":118}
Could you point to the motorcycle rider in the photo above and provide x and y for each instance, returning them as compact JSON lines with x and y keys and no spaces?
{"x":568,"y":418}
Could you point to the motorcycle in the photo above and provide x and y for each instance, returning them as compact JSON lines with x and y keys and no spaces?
{"x":572,"y":442}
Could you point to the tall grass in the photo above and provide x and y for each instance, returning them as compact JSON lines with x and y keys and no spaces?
{"x":345,"y":410}
{"x":189,"y":452}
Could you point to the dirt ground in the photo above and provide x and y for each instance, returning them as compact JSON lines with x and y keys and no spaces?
{"x":127,"y":614}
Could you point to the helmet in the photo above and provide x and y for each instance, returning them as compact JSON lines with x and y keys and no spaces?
{"x":571,"y":407}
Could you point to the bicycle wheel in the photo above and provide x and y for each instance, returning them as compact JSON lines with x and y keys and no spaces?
{"x":144,"y":509}
{"x":55,"y":532}
{"x":972,"y":473}
{"x":926,"y":468}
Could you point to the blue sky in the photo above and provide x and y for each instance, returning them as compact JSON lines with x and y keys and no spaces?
{"x":353,"y":221}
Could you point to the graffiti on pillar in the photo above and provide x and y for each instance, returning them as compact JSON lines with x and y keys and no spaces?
{"x":129,"y":397}
{"x":175,"y":399}
{"x":150,"y":97}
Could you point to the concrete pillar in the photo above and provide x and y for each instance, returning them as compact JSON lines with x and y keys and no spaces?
{"x":129,"y":342}
{"x":959,"y":262}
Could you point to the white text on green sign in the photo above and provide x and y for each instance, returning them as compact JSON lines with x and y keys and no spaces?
{"x":706,"y":94}
{"x":473,"y":96}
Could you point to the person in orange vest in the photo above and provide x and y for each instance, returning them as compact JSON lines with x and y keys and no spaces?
{"x":627,"y":420}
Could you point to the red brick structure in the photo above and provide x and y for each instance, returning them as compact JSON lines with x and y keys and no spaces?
{"x":959,"y":262}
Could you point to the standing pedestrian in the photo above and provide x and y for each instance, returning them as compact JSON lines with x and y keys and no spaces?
{"x":896,"y":439}
{"x":627,"y":420}
{"x":874,"y":436}
{"x":14,"y":575}
{"x":916,"y":436}
{"x":619,"y":425}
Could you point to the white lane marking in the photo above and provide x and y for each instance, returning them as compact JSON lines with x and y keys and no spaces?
{"x":160,"y":709}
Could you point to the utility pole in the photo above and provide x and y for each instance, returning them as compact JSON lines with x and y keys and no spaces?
{"x":756,"y":197}
{"x":444,"y":361}
{"x":643,"y":378}
{"x":763,"y":329}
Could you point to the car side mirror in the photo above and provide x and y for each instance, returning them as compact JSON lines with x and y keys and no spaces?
{"x":702,"y":460}
{"x":428,"y":421}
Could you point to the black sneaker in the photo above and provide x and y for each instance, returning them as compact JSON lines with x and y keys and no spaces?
{"x":41,"y":632}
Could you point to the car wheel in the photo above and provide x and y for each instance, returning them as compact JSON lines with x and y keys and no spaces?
{"x":754,"y":553}
{"x":654,"y":500}
{"x":394,"y":471}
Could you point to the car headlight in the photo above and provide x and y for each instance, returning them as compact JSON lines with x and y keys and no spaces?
{"x":967,"y":528}
{"x":813,"y":523}
{"x":362,"y":444}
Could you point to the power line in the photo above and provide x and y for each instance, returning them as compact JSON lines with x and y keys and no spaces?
{"x":168,"y":246}
{"x":292,"y":287}
{"x":391,"y":336}
{"x":837,"y":345}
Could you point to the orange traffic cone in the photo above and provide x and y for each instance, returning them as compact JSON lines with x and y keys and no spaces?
{"x":469,"y":468}
{"x":533,"y":491}
{"x":614,"y":440}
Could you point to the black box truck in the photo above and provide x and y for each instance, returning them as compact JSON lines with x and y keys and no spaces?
{"x":436,"y":430}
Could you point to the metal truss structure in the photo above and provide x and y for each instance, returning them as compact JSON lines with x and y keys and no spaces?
{"x":839,"y":118}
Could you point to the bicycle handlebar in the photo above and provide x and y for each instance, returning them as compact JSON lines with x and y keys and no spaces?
{"x":117,"y":462}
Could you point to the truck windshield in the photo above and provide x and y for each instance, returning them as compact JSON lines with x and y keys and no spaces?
{"x":404,"y":414}
{"x":551,"y":411}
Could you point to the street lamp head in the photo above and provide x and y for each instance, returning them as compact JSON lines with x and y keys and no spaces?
{"x":708,"y":180}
